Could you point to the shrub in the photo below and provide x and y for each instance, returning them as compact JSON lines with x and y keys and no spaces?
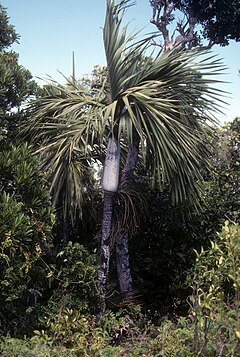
{"x":74,"y":279}
{"x":215,"y":300}
{"x":26,"y":221}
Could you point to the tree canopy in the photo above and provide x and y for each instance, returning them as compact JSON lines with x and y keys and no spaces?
{"x":219,"y":20}
{"x":8,"y":34}
{"x":16,"y":83}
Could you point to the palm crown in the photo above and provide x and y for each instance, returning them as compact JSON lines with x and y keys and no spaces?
{"x":167,"y":101}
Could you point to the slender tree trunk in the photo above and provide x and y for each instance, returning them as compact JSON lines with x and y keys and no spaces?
{"x":122,"y":261}
{"x":122,"y":253}
{"x":104,"y":258}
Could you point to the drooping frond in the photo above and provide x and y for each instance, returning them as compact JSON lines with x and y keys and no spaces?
{"x":68,"y":126}
{"x":66,"y":108}
{"x":169,"y":109}
{"x":130,"y":206}
{"x":67,"y":170}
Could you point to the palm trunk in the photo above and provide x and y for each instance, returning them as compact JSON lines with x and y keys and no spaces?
{"x":122,"y":253}
{"x":122,"y":262}
{"x":103,"y":268}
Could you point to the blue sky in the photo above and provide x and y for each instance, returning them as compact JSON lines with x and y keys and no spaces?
{"x":52,"y":29}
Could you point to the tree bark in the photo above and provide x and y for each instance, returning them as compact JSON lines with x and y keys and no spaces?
{"x":103,"y":267}
{"x":122,"y":262}
{"x":122,"y":251}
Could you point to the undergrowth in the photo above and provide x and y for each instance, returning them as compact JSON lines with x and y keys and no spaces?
{"x":211,"y":328}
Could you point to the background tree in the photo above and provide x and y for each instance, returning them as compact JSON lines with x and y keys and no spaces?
{"x":223,"y":183}
{"x":8,"y":34}
{"x":16,"y":82}
{"x":26,"y":215}
{"x":219,"y":22}
{"x":26,"y":220}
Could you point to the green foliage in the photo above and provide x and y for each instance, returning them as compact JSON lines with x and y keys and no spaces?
{"x":20,"y":179}
{"x":70,"y":333}
{"x":72,"y":329}
{"x":225,"y":179}
{"x":36,"y":346}
{"x":220,"y":196}
{"x":127,"y":333}
{"x":220,"y":19}
{"x":8,"y":34}
{"x":31,"y":270}
{"x":26,"y":221}
{"x":74,"y":279}
{"x":215,"y":300}
{"x":16,"y":82}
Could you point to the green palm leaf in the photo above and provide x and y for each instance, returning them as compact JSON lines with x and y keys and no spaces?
{"x":69,"y":127}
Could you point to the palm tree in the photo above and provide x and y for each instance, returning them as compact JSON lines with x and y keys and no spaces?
{"x":159,"y":109}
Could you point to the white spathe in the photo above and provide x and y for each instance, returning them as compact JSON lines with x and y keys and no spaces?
{"x":111,"y":166}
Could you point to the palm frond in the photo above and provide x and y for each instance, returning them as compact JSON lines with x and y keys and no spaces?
{"x":68,"y":125}
{"x":123,"y":52}
{"x":170,"y":109}
{"x":130,"y":207}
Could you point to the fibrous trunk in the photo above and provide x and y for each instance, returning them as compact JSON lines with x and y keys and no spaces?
{"x":122,"y":251}
{"x":122,"y":262}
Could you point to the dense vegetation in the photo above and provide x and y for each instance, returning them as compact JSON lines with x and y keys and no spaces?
{"x":184,"y":261}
